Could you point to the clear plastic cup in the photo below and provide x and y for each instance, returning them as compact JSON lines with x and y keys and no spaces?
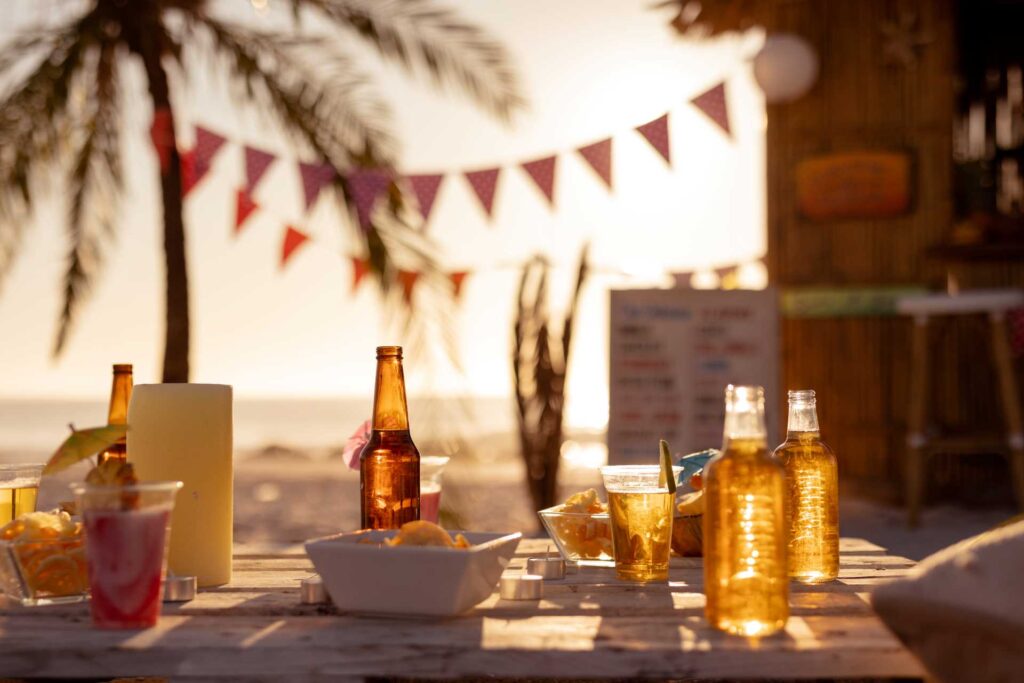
{"x":19,"y":489}
{"x":431,"y":469}
{"x":126,"y":534}
{"x":640,"y":507}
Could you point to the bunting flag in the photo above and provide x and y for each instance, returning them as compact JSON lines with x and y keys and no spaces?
{"x":208,"y":144}
{"x":244,"y":207}
{"x":293,"y":239}
{"x":256,"y":164}
{"x":407,"y":278}
{"x":712,"y":103}
{"x":360,"y":269}
{"x":366,"y":184}
{"x":484,"y":184}
{"x":191,"y":171}
{"x":425,"y":188}
{"x":315,"y":177}
{"x":457,"y":278}
{"x":161,"y":132}
{"x":542,"y":172}
{"x":599,"y":156}
{"x":656,"y":133}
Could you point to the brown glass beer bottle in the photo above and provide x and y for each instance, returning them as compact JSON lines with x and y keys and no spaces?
{"x":389,"y":465}
{"x":117,"y":414}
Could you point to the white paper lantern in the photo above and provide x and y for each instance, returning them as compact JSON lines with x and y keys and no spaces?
{"x":785,"y":68}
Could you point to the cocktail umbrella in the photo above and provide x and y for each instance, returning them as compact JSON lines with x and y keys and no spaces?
{"x":82,"y":444}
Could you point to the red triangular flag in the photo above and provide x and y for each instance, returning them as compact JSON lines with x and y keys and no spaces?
{"x":244,"y":207}
{"x":293,"y":239}
{"x":161,"y":132}
{"x":191,"y":171}
{"x":542,"y":171}
{"x":408,"y":279}
{"x":484,"y":184}
{"x":360,"y":269}
{"x":256,"y":164}
{"x":366,"y":184}
{"x":208,"y":144}
{"x":599,"y":156}
{"x":315,"y":177}
{"x":656,"y":133}
{"x":457,"y":279}
{"x":712,"y":103}
{"x":425,"y":188}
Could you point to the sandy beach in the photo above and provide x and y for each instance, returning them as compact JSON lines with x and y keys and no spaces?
{"x":286,"y":495}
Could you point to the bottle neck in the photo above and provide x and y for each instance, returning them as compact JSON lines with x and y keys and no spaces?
{"x":744,"y":417}
{"x":390,"y":412}
{"x":120,"y":396}
{"x":803,"y":418}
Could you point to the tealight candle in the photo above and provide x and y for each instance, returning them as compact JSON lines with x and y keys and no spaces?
{"x":521,"y":587}
{"x":183,"y":432}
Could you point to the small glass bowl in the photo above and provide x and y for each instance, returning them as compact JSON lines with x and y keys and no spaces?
{"x":581,"y":537}
{"x":44,"y":572}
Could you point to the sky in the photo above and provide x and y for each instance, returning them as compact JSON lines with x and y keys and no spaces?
{"x":589,"y":68}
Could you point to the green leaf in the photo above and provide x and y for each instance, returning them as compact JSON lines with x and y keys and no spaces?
{"x":666,"y":466}
{"x":82,"y":444}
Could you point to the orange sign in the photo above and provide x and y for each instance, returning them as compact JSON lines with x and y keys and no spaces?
{"x":854,"y":185}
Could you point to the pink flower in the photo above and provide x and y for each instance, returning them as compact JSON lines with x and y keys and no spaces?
{"x":355,"y":443}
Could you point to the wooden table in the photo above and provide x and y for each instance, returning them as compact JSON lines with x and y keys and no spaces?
{"x":588,"y":626}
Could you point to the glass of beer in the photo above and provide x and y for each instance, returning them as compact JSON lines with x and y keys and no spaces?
{"x":640,"y":507}
{"x":19,"y":488}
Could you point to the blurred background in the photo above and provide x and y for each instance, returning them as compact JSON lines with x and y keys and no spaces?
{"x":847,"y":154}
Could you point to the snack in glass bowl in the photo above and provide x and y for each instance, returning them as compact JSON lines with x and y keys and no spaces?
{"x":581,"y":529}
{"x":42,"y":559}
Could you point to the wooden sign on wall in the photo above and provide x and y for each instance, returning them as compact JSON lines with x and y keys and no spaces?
{"x":869,"y":184}
{"x":673,"y":351}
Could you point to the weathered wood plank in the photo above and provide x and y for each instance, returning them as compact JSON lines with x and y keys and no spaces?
{"x":588,"y":625}
{"x":530,"y":646}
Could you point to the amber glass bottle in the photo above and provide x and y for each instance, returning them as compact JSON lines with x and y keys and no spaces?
{"x":812,"y":500}
{"x":389,"y":466}
{"x":745,"y":579}
{"x":117,"y":414}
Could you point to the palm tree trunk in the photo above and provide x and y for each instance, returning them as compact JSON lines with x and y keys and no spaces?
{"x":176,"y":339}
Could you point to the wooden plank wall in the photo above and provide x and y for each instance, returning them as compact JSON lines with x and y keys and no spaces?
{"x":859,"y":365}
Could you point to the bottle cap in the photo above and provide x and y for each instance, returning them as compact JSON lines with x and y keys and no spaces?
{"x":522,"y":587}
{"x":549,"y":568}
{"x":179,"y":588}
{"x":312,"y":591}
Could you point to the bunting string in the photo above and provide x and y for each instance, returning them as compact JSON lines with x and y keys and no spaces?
{"x":367,"y":185}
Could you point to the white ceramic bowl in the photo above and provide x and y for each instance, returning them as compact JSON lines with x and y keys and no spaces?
{"x":363,"y":577}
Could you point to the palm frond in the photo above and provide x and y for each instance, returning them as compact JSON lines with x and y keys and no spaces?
{"x":94,"y":182}
{"x":418,"y":33}
{"x":34,"y":117}
{"x":325,"y":105}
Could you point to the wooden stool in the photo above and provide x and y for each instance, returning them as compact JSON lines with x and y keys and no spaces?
{"x":994,"y":303}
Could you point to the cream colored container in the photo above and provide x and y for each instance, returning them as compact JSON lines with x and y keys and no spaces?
{"x":184,"y":432}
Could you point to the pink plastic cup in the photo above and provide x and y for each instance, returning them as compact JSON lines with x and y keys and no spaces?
{"x":126,"y":534}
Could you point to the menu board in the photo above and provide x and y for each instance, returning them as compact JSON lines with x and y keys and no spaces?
{"x":673,"y":351}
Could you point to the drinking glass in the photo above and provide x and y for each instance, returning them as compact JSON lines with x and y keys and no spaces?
{"x":19,"y":488}
{"x":640,"y":507}
{"x":431,"y":469}
{"x":126,"y":534}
